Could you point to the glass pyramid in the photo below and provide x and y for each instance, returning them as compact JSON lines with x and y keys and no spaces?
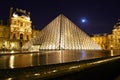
{"x":59,"y":34}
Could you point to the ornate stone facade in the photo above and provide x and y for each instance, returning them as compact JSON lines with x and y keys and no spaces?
{"x":109,"y":41}
{"x":4,"y":36}
{"x":101,"y":39}
{"x":18,"y":32}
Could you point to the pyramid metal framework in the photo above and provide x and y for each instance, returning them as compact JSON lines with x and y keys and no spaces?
{"x":59,"y":34}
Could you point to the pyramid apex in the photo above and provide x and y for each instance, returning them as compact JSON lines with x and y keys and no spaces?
{"x":61,"y":14}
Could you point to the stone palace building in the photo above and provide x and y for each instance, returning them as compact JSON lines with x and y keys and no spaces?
{"x":18,"y":31}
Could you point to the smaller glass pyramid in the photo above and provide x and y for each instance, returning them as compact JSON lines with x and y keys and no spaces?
{"x":59,"y":34}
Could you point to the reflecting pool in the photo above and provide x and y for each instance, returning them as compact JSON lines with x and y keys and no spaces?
{"x":26,"y":59}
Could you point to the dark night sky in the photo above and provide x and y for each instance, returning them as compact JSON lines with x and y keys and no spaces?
{"x":101,"y":15}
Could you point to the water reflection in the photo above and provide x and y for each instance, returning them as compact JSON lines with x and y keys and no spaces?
{"x":111,"y":51}
{"x":11,"y":61}
{"x":50,"y":57}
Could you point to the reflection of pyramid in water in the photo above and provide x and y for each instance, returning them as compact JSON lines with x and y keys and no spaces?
{"x":61,"y":33}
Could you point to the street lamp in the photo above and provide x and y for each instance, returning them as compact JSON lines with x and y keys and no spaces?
{"x":12,"y":45}
{"x":111,"y":47}
{"x":111,"y":50}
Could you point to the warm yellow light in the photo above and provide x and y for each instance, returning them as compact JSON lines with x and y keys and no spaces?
{"x":12,"y":62}
{"x":111,"y":46}
{"x":12,"y":52}
{"x":15,"y":15}
{"x":12,"y":45}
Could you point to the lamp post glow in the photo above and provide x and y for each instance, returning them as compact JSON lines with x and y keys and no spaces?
{"x":111,"y":50}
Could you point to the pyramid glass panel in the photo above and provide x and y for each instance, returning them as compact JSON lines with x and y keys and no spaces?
{"x":59,"y":34}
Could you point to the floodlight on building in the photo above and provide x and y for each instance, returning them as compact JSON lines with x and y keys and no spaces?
{"x":15,"y":15}
{"x":111,"y":46}
{"x":12,"y":45}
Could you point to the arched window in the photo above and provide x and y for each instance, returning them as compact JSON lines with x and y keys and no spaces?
{"x":14,"y":37}
{"x":21,"y":36}
{"x":21,"y":44}
{"x":27,"y":37}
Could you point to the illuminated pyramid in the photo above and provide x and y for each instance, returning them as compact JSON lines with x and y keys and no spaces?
{"x":59,"y":34}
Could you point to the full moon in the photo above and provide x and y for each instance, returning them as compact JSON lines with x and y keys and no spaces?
{"x":83,"y":20}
